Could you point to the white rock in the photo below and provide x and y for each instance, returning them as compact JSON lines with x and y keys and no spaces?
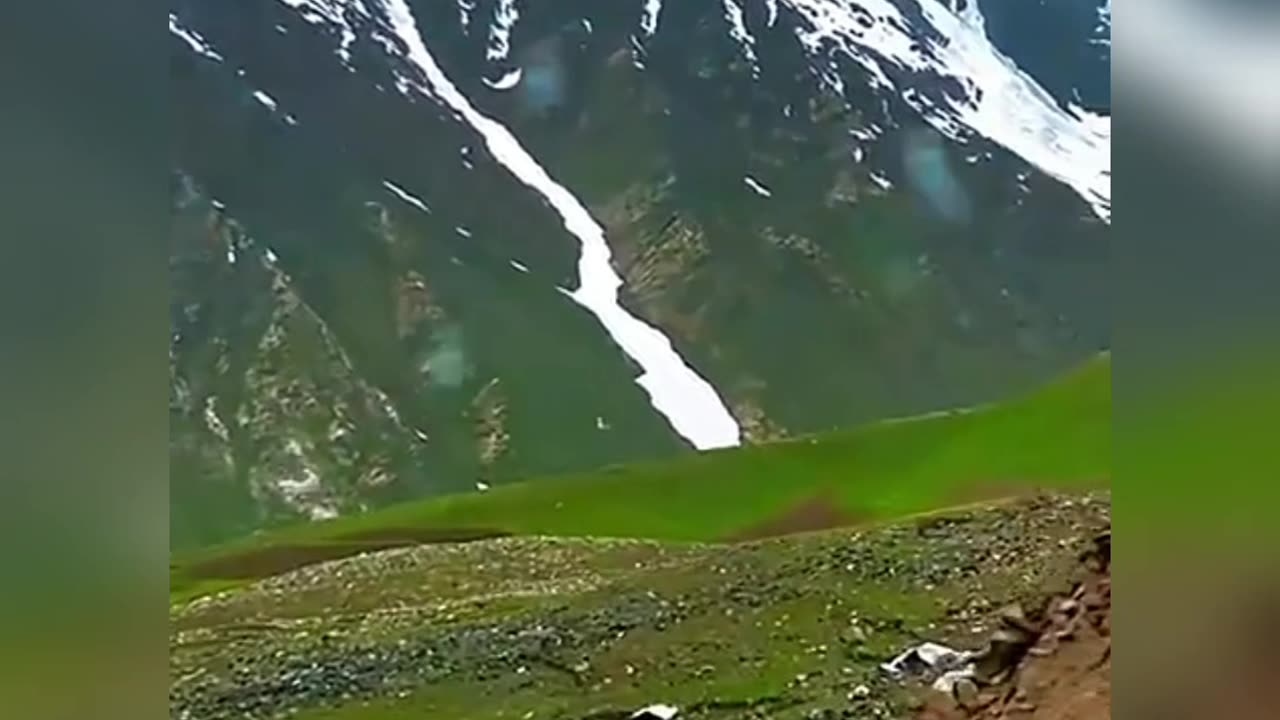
{"x":660,"y":712}
{"x":932,"y":655}
{"x":946,"y":683}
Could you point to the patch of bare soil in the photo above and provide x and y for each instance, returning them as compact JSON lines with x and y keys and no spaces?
{"x":821,"y":512}
{"x":1053,"y":664}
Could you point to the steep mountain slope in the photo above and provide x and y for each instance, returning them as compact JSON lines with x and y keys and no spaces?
{"x":1057,"y":438}
{"x":420,"y":246}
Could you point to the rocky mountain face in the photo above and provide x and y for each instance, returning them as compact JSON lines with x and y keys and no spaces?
{"x":423,"y":247}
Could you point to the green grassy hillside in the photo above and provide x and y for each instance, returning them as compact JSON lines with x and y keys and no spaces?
{"x":571,"y":628}
{"x":1056,"y":438}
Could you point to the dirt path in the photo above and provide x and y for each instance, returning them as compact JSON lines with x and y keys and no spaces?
{"x":820,"y":512}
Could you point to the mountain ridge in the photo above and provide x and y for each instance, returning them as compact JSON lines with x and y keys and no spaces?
{"x":760,"y":216}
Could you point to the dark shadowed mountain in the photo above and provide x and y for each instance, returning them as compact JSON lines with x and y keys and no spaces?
{"x":420,"y":247}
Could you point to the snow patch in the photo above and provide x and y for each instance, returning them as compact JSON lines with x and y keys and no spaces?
{"x":1102,"y":30}
{"x":865,"y":133}
{"x":738,"y":31}
{"x":505,"y":16}
{"x":335,"y":13}
{"x":755,"y":185}
{"x":192,"y":39}
{"x":465,"y":8}
{"x":689,"y":402}
{"x":304,"y":492}
{"x":509,"y":80}
{"x":998,"y":100}
{"x":406,"y":196}
{"x":649,"y":17}
{"x":268,"y":101}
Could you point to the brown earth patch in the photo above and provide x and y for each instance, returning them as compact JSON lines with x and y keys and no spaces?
{"x":277,"y":559}
{"x":1065,"y":671}
{"x":821,"y":512}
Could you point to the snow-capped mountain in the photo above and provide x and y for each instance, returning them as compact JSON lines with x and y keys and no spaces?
{"x":427,"y":246}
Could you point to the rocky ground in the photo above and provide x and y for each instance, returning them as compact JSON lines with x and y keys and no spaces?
{"x":1051,"y":664}
{"x":534,"y":628}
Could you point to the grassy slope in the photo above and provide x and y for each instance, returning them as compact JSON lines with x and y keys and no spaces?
{"x":575,"y":628}
{"x":1058,"y":437}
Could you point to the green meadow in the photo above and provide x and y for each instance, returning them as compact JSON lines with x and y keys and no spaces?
{"x":1056,"y":438}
